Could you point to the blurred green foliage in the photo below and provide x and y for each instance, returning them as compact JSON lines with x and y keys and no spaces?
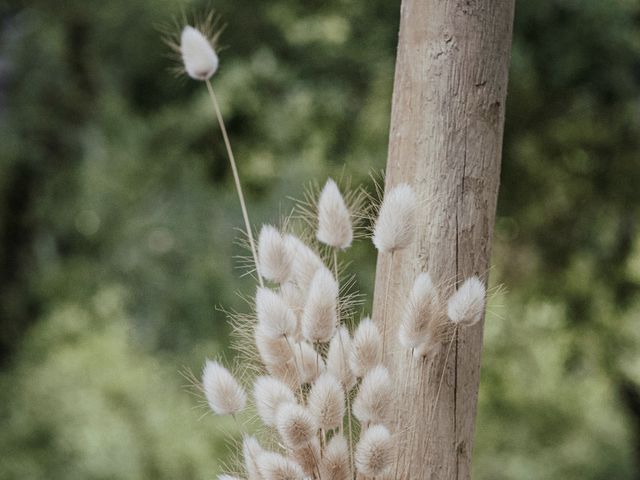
{"x":118,"y":218}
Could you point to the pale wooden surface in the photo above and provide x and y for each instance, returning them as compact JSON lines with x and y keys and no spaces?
{"x":445,"y":140}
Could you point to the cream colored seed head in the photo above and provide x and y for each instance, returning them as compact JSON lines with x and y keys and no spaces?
{"x":466,"y":306}
{"x":198,"y":56}
{"x":326,"y":402}
{"x":334,"y":220}
{"x":320,"y":314}
{"x":375,"y":397}
{"x":274,"y":257}
{"x":374,"y":452}
{"x":395,"y":226}
{"x":224,"y":394}
{"x":366,"y":348}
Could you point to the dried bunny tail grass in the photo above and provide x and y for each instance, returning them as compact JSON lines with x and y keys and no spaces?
{"x":225,"y":476}
{"x":272,"y":351}
{"x":366,"y":348}
{"x":251,"y":451}
{"x":326,"y":402}
{"x":309,"y":363}
{"x":274,"y":466}
{"x":274,"y":315}
{"x":224,"y":394}
{"x":308,"y":456}
{"x":309,"y":208}
{"x":334,"y":220}
{"x":198,"y":54}
{"x":320,"y":315}
{"x":305,"y":262}
{"x":421,"y":314}
{"x":374,"y":452}
{"x":338,"y":358}
{"x":269,"y":394}
{"x":336,"y":464}
{"x":395,"y":226}
{"x":274,"y":255}
{"x":466,"y":305}
{"x":374,"y":399}
{"x":295,"y":425}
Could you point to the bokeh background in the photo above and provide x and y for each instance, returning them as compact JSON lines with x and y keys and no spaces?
{"x":118,"y":219}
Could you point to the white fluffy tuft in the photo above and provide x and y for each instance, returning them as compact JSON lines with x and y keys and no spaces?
{"x":335,"y":463}
{"x":326,"y":402}
{"x":224,"y":476}
{"x":334,"y":220}
{"x":395,"y":225}
{"x":320,"y":315}
{"x":269,"y":394}
{"x":308,"y":456}
{"x":374,"y":399}
{"x":421,"y":313}
{"x":274,"y":256}
{"x":295,"y":425}
{"x":273,"y":351}
{"x":338,"y":358}
{"x":274,"y":466}
{"x":274,"y":316}
{"x":374,"y":452}
{"x":366,"y":348}
{"x":199,"y":58}
{"x":224,"y":394}
{"x":466,"y":306}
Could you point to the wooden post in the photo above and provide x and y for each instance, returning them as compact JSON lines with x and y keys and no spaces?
{"x":446,"y":141}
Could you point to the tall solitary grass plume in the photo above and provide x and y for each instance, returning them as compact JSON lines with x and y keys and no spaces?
{"x":323,"y":389}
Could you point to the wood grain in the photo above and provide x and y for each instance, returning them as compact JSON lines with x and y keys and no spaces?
{"x":446,"y":141}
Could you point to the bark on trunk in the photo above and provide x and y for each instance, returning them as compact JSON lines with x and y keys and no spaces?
{"x":446,"y":141}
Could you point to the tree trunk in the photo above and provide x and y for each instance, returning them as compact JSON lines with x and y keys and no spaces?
{"x":446,"y":141}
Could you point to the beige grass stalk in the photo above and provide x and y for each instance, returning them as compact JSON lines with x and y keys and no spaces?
{"x":236,"y":178}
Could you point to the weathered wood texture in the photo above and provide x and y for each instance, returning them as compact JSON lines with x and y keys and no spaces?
{"x":446,"y":141}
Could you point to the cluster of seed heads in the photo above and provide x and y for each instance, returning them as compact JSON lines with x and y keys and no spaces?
{"x":324,"y":393}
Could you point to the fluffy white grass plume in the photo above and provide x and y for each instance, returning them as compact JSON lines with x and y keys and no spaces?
{"x":338,"y":358}
{"x":366,"y":348}
{"x":421,"y":313}
{"x":224,"y":476}
{"x":199,"y":58}
{"x":274,"y":466}
{"x":295,"y":425}
{"x":269,"y":394}
{"x":334,"y":220}
{"x":224,"y":394}
{"x":309,"y":363}
{"x":272,"y":351}
{"x":251,"y":451}
{"x":326,"y":402}
{"x":308,"y":456}
{"x":395,"y":225}
{"x":274,"y":315}
{"x":320,"y":315}
{"x":305,"y":262}
{"x":274,"y":256}
{"x":374,"y":452}
{"x":336,"y":464}
{"x":375,"y":397}
{"x":465,"y":307}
